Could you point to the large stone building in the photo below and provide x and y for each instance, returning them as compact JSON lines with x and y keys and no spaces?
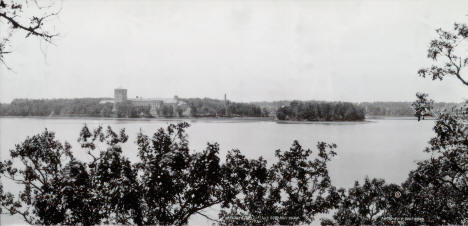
{"x":178,"y":106}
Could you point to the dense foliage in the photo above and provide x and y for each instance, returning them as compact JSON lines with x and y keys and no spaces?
{"x":370,"y":203}
{"x":320,"y":111}
{"x":439,"y":185}
{"x":108,"y":188}
{"x":168,"y":184}
{"x":293,"y":190}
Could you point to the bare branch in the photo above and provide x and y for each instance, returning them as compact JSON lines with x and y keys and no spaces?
{"x":207,"y":217}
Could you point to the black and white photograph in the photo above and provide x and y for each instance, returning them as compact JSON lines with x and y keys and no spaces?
{"x":233,"y":112}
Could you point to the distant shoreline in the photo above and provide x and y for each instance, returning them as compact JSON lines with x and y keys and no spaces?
{"x":147,"y":119}
{"x":368,"y":119}
{"x":397,"y":117}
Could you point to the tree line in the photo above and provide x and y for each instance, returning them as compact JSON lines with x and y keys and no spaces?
{"x":198,"y":107}
{"x":89,"y":107}
{"x":398,"y":109}
{"x":64,"y":107}
{"x":320,"y":111}
{"x":207,"y":107}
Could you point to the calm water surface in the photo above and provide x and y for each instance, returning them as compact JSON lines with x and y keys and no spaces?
{"x":386,"y":148}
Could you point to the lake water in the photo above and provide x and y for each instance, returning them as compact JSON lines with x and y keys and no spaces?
{"x":384,"y":148}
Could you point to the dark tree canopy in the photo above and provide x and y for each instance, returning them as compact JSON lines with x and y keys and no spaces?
{"x":440,"y":184}
{"x":174,"y":183}
{"x":370,"y":203}
{"x":320,"y":111}
{"x":294,"y":190}
{"x":167,"y":185}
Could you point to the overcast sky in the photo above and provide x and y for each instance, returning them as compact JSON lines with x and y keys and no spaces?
{"x":251,"y":50}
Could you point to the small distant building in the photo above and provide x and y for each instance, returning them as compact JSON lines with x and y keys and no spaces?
{"x":155,"y":104}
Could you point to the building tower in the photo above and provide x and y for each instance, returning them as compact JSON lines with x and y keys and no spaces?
{"x":120,"y":95}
